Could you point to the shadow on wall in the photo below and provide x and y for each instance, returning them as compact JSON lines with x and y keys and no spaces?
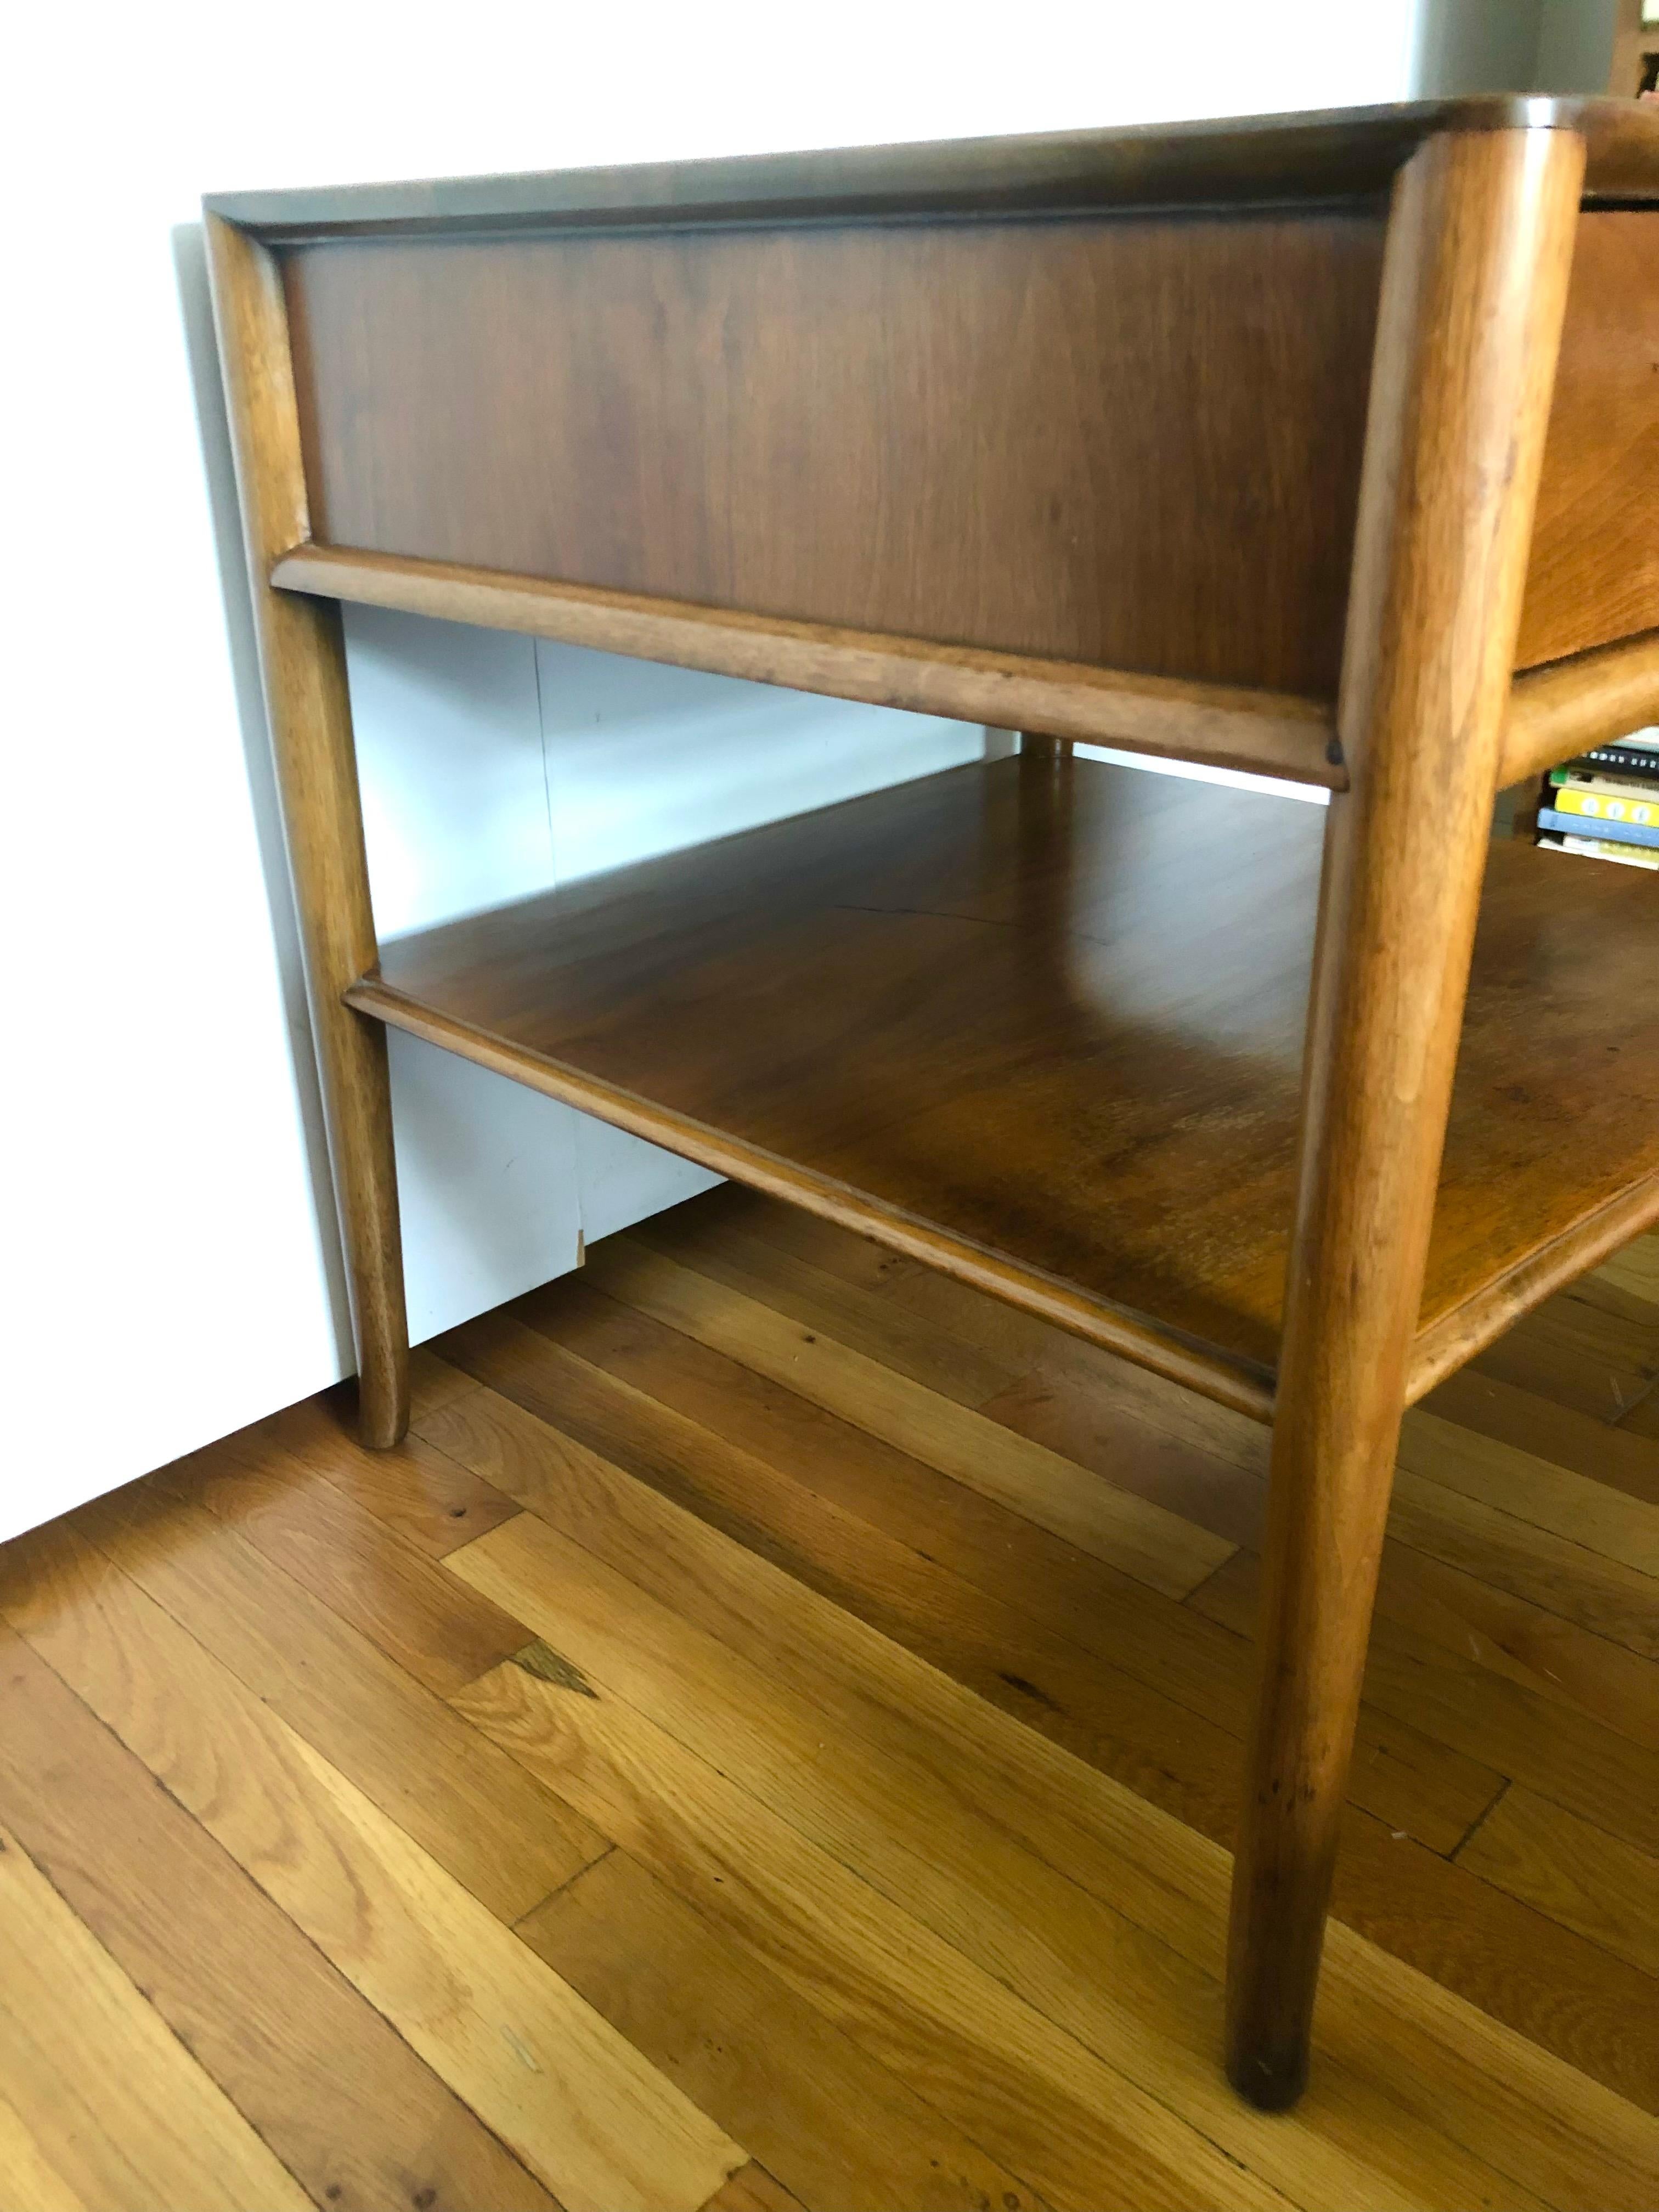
{"x":196,"y":309}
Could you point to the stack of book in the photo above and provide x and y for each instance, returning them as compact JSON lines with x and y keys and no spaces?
{"x":1606,"y":803}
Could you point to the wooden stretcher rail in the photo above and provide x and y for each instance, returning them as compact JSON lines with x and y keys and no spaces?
{"x":1164,"y":1352}
{"x":1443,"y":1349}
{"x":1270,"y":733}
{"x":1572,"y":705}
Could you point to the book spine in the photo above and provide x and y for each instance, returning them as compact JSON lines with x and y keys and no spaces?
{"x":1596,"y":848}
{"x":1609,"y":758}
{"x":1619,"y":833}
{"x":1590,"y":800}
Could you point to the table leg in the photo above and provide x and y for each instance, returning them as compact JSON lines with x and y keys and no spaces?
{"x":302,"y":663}
{"x":1474,"y":288}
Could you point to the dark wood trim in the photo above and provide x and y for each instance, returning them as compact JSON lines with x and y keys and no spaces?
{"x":303,"y":666}
{"x":1166,"y":1351}
{"x":1570,"y":705}
{"x":1270,"y":732}
{"x":1456,"y":1337}
{"x":1474,"y":287}
{"x":1232,"y":162}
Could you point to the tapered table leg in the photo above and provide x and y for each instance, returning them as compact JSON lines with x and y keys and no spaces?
{"x":1474,"y":286}
{"x":302,"y":662}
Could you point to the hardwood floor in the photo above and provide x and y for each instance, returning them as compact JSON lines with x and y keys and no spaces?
{"x":770,"y":1739}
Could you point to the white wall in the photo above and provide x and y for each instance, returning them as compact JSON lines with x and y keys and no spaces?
{"x":171,"y":1259}
{"x":495,"y":766}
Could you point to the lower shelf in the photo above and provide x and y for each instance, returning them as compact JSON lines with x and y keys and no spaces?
{"x":1042,"y":1026}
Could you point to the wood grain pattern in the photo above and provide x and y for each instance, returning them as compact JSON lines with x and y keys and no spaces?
{"x":366,"y":1575}
{"x":588,"y":2115}
{"x":1570,"y":706}
{"x":1143,"y":1690}
{"x":333,"y":2089}
{"x":1605,"y":1887}
{"x":917,"y":1684}
{"x":1473,"y":289}
{"x":24,"y":2173}
{"x":779,"y":2077}
{"x":398,"y":1743}
{"x":1554,"y":1987}
{"x":862,"y":1791}
{"x":1077,"y":1082}
{"x":302,"y":667}
{"x":1001,"y":1767}
{"x":1143,"y":1542}
{"x":1596,"y":1234}
{"x":967,"y":480}
{"x":109,"y":2101}
{"x":1594,"y":569}
{"x":588,"y":353}
{"x":1272,"y":733}
{"x":1031,"y":2096}
{"x":430,"y":1501}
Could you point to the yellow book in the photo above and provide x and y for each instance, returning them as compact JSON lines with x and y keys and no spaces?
{"x":1607,"y":806}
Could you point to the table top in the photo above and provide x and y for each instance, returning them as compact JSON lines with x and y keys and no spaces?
{"x":1339,"y":153}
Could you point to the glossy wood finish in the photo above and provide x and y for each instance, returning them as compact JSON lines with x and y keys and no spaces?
{"x":1570,"y":707}
{"x":1271,"y":732}
{"x":1473,"y":290}
{"x":1230,"y":161}
{"x":906,"y":1820}
{"x":1086,"y":993}
{"x":1595,"y":1236}
{"x":1594,"y":570}
{"x":1059,"y":436}
{"x":1153,"y":469}
{"x":1130,"y":444}
{"x":302,"y":660}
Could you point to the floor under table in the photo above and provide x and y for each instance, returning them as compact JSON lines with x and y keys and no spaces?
{"x":770,"y":1738}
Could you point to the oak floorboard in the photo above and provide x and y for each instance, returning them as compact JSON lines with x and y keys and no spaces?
{"x":1560,"y":1751}
{"x":1545,"y":1495}
{"x":819,"y":1299}
{"x":430,"y":1501}
{"x":112,"y":2102}
{"x":1581,"y":1355}
{"x":401,"y":1745}
{"x":752,"y":2189}
{"x":1605,"y":1887}
{"x":1635,"y":1270}
{"x":26,"y":2179}
{"x":1070,"y":2126}
{"x":1560,"y":1434}
{"x":1107,"y":1842}
{"x":1115,"y":1670}
{"x":1153,"y":1545}
{"x":1403,"y":1777}
{"x":335,"y":2091}
{"x":351,"y":1558}
{"x":1538,"y":1977}
{"x":922,"y":1808}
{"x":862,"y":1788}
{"x":584,"y":2109}
{"x":755,"y":2055}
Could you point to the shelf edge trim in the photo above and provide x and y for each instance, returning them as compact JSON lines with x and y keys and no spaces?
{"x":1262,"y":732}
{"x":1456,"y":1337}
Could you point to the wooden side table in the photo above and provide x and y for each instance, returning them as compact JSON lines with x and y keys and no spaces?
{"x":1326,"y":446}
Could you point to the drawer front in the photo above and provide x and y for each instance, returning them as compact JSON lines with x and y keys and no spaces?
{"x":1132,"y":441}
